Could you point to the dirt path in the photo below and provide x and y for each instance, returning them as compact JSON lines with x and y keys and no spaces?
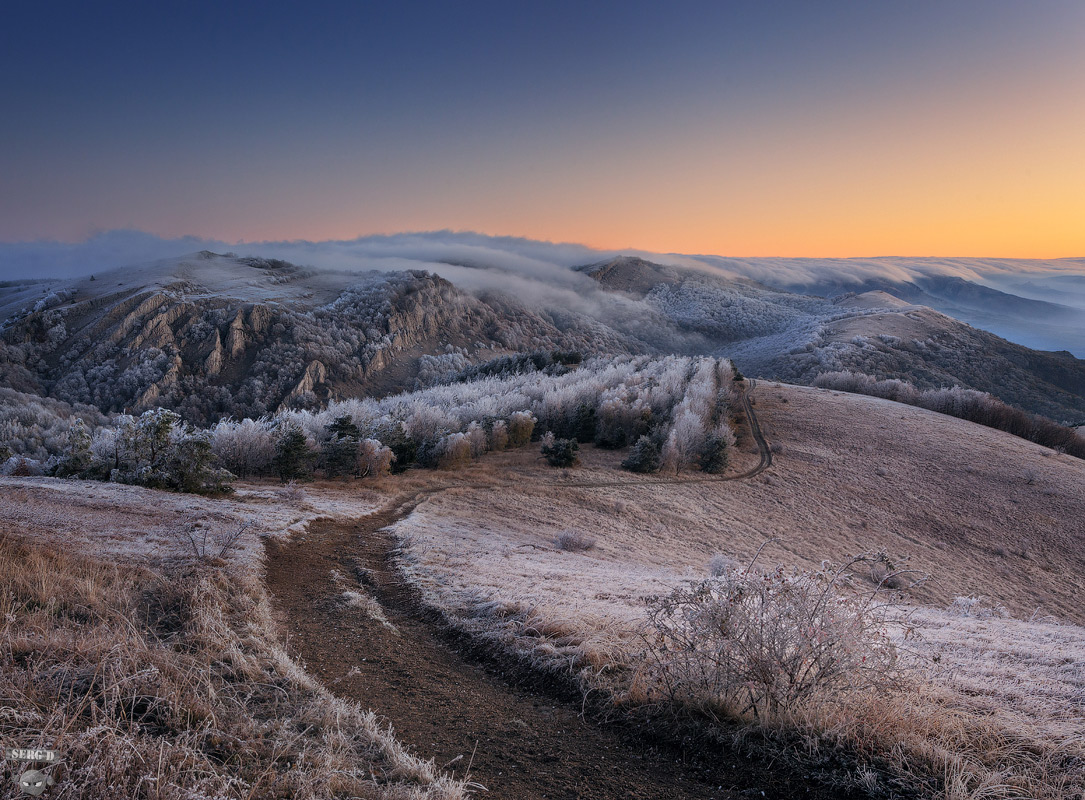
{"x":759,"y":437}
{"x":522,"y":742}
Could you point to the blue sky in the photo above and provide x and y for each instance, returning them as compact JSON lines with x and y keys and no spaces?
{"x":715,"y":127}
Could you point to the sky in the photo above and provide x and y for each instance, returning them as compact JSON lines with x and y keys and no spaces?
{"x":819,"y":129}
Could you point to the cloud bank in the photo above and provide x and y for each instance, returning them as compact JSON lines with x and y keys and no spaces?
{"x":475,"y":254}
{"x":540,"y":273}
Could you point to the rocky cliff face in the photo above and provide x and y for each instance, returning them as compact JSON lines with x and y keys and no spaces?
{"x":208,"y":354}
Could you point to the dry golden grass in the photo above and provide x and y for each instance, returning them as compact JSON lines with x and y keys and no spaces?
{"x":165,"y":679}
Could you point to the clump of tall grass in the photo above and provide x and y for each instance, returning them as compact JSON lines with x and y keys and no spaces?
{"x":574,"y":541}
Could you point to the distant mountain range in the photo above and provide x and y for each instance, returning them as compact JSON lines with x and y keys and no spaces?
{"x":990,"y":293}
{"x":213,"y":335}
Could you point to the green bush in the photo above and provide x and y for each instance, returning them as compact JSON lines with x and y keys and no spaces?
{"x":645,"y":456}
{"x":561,"y":452}
{"x":715,"y":456}
{"x":340,"y":450}
{"x":293,"y":459}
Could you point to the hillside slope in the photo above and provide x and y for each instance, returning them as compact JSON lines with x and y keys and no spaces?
{"x":213,"y":335}
{"x":795,"y":337}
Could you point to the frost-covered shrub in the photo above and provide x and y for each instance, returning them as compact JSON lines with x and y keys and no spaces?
{"x":720,"y":564}
{"x":246,"y":447}
{"x":477,"y":439}
{"x":76,"y":459}
{"x":453,"y":451}
{"x":763,"y":646}
{"x":21,"y":467}
{"x":376,"y":459}
{"x":977,"y":607}
{"x":39,"y":427}
{"x":292,"y":494}
{"x":156,"y":450}
{"x":499,"y":435}
{"x":520,"y":427}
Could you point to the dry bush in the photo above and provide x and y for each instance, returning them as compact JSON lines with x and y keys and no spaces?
{"x":883,"y":576}
{"x":720,"y":564}
{"x":171,"y":685}
{"x":978,"y":607}
{"x":292,"y":494}
{"x":454,"y":452}
{"x":764,"y":647}
{"x":574,"y":541}
{"x":211,"y":542}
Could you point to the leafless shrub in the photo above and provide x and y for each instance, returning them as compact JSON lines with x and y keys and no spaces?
{"x":292,"y":494}
{"x":978,"y":607}
{"x":1030,"y":476}
{"x":574,"y":541}
{"x":210,"y":543}
{"x":777,"y":448}
{"x":720,"y":564}
{"x":1000,"y":551}
{"x":746,"y":645}
{"x":883,"y":576}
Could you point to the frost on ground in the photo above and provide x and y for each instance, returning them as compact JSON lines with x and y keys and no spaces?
{"x":1004,"y":697}
{"x":115,"y":521}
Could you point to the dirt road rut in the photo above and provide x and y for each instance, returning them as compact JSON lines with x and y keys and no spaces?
{"x":521,"y":742}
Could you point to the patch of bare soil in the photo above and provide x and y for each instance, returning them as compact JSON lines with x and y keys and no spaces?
{"x":520,"y":739}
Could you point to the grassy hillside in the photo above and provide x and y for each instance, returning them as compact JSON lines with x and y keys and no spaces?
{"x":992,"y":519}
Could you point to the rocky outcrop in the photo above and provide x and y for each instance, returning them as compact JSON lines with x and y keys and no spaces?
{"x":315,"y":375}
{"x":235,"y":338}
{"x":217,"y":357}
{"x":145,"y":305}
{"x":158,"y":330}
{"x":154,"y":393}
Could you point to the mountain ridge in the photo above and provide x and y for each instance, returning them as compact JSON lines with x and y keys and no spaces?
{"x":220,"y":335}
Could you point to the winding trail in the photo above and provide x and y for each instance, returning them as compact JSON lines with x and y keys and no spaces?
{"x":521,"y":737}
{"x":759,"y":437}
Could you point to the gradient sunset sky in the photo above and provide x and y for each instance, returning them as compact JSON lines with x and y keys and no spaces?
{"x":746,"y":129}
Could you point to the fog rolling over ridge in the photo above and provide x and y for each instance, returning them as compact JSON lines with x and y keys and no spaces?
{"x":1037,"y":303}
{"x":299,"y":323}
